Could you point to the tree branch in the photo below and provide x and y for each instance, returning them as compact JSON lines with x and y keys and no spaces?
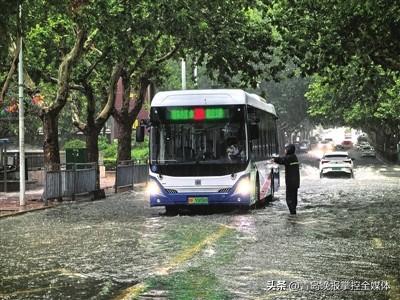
{"x":75,"y":118}
{"x":142,"y":54}
{"x":11,"y":72}
{"x":94,"y":65}
{"x":112,"y":90}
{"x":51,"y":79}
{"x":168,"y":55}
{"x":65,"y":69}
{"x":144,"y":83}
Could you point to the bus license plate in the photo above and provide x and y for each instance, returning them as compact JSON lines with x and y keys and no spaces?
{"x":197,"y":200}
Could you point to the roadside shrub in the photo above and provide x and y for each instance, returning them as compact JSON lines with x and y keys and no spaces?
{"x":75,"y":144}
{"x":109,"y":164}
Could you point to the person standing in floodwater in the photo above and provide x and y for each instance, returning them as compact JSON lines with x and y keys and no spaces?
{"x":292,"y":176}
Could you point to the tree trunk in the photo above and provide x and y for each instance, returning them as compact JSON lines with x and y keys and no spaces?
{"x":50,"y":146}
{"x":92,"y":147}
{"x":125,"y":140}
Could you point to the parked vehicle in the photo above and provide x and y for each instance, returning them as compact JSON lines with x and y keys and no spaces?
{"x":362,"y":144}
{"x":336,"y":163}
{"x":368,"y":151}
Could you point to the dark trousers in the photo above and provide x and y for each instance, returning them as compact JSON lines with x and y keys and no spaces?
{"x":291,"y":199}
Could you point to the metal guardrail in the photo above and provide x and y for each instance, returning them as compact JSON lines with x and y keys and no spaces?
{"x":127,"y":174}
{"x":69,"y":180}
{"x":34,"y":161}
{"x":124,"y":174}
{"x":140,"y":173}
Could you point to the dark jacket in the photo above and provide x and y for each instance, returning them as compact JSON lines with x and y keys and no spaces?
{"x":292,"y":174}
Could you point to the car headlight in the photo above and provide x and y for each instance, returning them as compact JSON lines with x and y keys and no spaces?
{"x":153,"y":188}
{"x":243,"y":187}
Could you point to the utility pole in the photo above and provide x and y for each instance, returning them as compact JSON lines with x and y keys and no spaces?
{"x":183,"y":71}
{"x":21,"y":118}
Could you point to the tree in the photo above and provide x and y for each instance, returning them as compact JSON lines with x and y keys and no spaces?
{"x":364,"y":98}
{"x":10,"y":31}
{"x":94,"y":124}
{"x":56,"y":41}
{"x":354,"y":47}
{"x":321,"y":34}
{"x":228,"y":37}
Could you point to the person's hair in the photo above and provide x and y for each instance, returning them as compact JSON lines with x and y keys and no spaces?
{"x":290,"y":149}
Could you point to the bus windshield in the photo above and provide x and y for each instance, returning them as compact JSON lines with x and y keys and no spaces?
{"x":201,"y":139}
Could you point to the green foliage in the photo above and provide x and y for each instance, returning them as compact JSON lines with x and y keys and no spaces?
{"x":356,"y":96}
{"x":109,"y":150}
{"x":109,"y":163}
{"x":141,"y":151}
{"x":353,"y":47}
{"x":75,"y":144}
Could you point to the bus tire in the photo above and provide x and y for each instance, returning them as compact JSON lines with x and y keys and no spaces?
{"x":171,"y":210}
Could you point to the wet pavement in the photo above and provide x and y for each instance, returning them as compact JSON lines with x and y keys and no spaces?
{"x":343,"y":244}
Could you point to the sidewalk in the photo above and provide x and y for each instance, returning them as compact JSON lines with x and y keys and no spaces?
{"x":9,"y":202}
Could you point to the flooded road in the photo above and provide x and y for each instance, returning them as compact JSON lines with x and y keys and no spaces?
{"x":343,"y":244}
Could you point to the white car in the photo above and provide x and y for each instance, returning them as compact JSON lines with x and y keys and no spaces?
{"x":368,"y":151}
{"x":362,"y":144}
{"x":336,"y":163}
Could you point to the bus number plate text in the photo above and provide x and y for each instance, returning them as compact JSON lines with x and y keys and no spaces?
{"x":197,"y":200}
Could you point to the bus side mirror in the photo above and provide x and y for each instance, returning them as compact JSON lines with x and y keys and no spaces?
{"x":254,"y":132}
{"x":140,"y":133}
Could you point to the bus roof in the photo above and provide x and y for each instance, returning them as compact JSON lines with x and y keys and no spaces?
{"x":210,"y":97}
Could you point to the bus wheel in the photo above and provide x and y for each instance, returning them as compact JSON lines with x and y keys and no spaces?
{"x":171,"y":210}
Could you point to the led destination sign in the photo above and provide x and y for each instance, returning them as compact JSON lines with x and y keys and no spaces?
{"x":197,"y":114}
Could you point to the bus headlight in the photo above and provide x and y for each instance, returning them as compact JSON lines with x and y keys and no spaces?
{"x":153,"y":188}
{"x":243,"y":187}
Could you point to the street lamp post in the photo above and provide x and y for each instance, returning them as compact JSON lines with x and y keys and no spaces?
{"x":21,"y":119}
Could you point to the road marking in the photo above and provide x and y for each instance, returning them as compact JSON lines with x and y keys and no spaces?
{"x":67,"y":273}
{"x":377,"y":243}
{"x":192,"y":251}
{"x":132,"y":292}
{"x":182,"y":257}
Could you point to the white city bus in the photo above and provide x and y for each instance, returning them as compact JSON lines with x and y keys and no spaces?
{"x":212,"y":147}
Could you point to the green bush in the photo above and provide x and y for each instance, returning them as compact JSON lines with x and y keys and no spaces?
{"x":109,"y":163}
{"x":74,"y":144}
{"x":140,"y":151}
{"x":141,"y":154}
{"x":109,"y":152}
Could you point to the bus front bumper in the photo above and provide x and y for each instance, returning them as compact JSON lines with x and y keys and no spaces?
{"x":199,"y":199}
